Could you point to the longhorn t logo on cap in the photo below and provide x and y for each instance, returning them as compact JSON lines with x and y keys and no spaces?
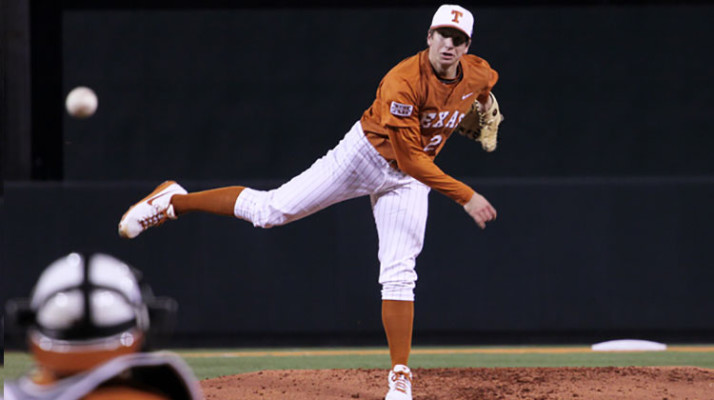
{"x":453,"y":16}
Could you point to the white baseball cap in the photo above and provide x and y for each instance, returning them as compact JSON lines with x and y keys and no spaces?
{"x":453,"y":16}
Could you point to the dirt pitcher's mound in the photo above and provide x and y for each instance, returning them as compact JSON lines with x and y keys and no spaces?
{"x":609,"y":383}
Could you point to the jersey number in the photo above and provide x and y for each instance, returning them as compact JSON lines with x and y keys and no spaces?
{"x":433,"y":143}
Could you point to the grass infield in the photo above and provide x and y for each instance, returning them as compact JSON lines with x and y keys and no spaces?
{"x":211,"y":363}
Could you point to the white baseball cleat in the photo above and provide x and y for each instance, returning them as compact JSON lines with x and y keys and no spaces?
{"x":152,"y":210}
{"x":400,"y":383}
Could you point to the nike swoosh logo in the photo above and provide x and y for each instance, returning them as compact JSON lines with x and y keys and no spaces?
{"x":151,"y":200}
{"x":466,"y":96}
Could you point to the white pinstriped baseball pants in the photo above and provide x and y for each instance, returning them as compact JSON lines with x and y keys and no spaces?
{"x":352,"y":169}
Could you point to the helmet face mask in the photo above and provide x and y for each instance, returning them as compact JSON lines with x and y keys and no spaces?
{"x":63,"y":358}
{"x":87,"y":310}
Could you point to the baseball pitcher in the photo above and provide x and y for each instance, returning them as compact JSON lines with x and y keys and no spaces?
{"x":387,"y":155}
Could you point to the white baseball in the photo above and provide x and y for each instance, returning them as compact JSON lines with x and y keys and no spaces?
{"x":81,"y":102}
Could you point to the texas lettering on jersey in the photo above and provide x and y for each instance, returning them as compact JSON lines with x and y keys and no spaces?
{"x":443,"y":119}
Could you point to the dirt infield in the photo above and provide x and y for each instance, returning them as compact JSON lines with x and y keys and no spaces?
{"x":611,"y":383}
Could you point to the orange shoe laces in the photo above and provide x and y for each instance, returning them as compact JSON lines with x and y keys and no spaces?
{"x":154,"y":220}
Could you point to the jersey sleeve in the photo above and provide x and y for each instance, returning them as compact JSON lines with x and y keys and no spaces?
{"x":412,"y":160}
{"x":491,"y":79}
{"x":399,"y":102}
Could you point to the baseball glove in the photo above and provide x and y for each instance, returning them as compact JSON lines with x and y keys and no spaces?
{"x":482,"y":126}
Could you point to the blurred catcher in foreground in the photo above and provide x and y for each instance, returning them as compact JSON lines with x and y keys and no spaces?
{"x":87,"y":323}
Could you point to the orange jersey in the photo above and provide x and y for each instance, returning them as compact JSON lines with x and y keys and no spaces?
{"x":415,"y":112}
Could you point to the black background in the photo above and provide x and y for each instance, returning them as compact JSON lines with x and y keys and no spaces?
{"x":603,"y":178}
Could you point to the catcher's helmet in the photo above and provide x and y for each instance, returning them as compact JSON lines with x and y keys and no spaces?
{"x":85,"y":310}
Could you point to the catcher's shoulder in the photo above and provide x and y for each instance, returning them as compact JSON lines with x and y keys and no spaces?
{"x":127,"y":393}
